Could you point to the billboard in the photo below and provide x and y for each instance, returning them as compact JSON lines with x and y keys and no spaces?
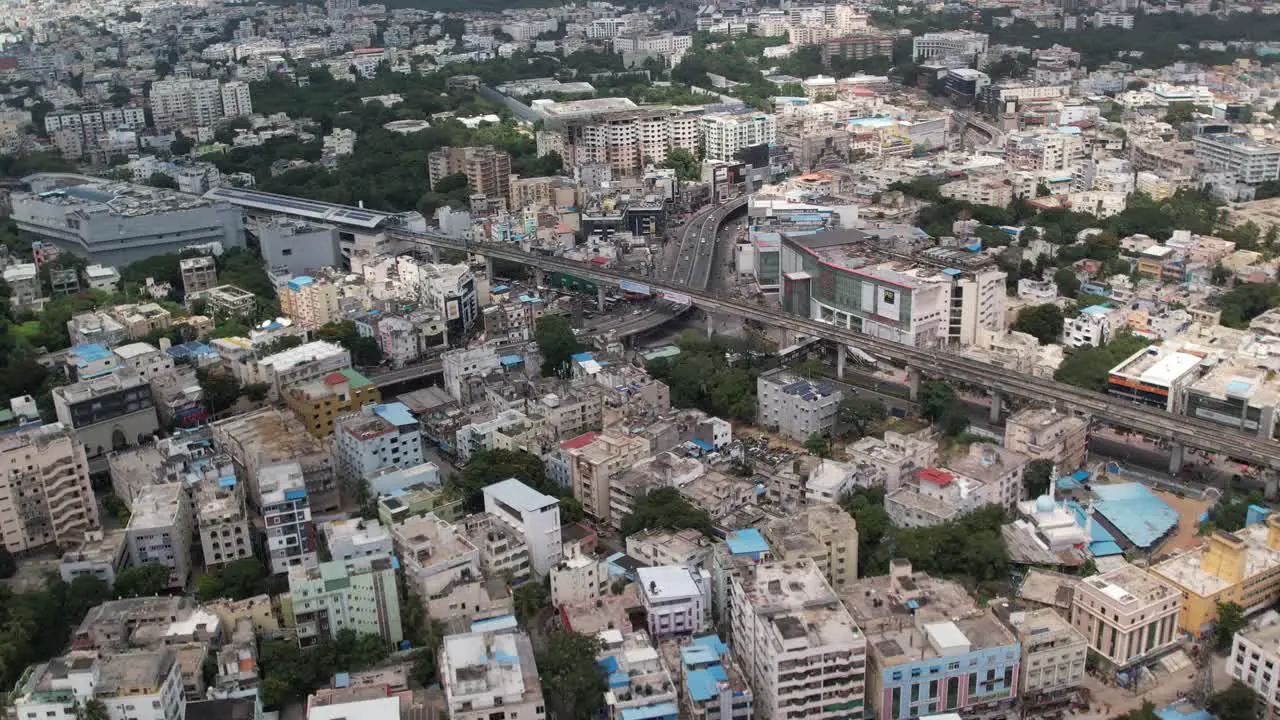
{"x":451,"y":311}
{"x":634,"y":287}
{"x":675,"y":297}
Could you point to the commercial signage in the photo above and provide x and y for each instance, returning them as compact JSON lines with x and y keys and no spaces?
{"x":634,"y":287}
{"x":451,"y":311}
{"x":675,"y":297}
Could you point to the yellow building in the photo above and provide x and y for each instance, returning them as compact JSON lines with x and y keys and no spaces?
{"x":318,"y":402}
{"x":826,"y":534}
{"x":311,"y":302}
{"x":1241,"y":567}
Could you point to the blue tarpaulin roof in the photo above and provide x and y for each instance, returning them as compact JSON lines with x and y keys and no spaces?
{"x":580,"y":357}
{"x":509,"y":360}
{"x":609,"y":663}
{"x":1183,"y":712}
{"x":619,"y":679}
{"x":746,"y":542}
{"x":499,"y":288}
{"x":1101,"y":543}
{"x":494,"y":624}
{"x":651,"y":712}
{"x":1136,"y":512}
{"x":703,"y":445}
{"x":704,"y":684}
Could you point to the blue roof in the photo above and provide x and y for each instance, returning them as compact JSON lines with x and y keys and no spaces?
{"x":703,"y":445}
{"x":1136,"y":512}
{"x":711,"y":642}
{"x":1067,"y":483}
{"x":619,"y":679}
{"x":229,"y":481}
{"x":499,"y":288}
{"x":298,"y":282}
{"x":396,"y":413}
{"x":698,"y":655}
{"x":1183,"y":712}
{"x":1256,"y":514}
{"x":953,"y":271}
{"x":650,"y":712}
{"x":1238,"y":387}
{"x":90,"y":352}
{"x":609,"y":663}
{"x":746,"y":542}
{"x":509,"y":360}
{"x":190,"y":349}
{"x":494,"y":624}
{"x":341,"y":680}
{"x":1096,"y":310}
{"x":1101,"y":544}
{"x":704,"y":684}
{"x":581,"y":357}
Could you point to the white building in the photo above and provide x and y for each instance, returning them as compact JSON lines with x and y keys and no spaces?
{"x":354,"y":538}
{"x":578,"y":577}
{"x":235,"y":100}
{"x":1091,"y":328}
{"x":100,"y":277}
{"x":796,"y":406}
{"x":724,"y":135}
{"x":281,"y":496}
{"x":677,"y":599}
{"x":132,"y":685}
{"x":146,"y":359}
{"x":377,"y":439}
{"x":785,"y":617}
{"x":159,"y":531}
{"x":463,"y":363}
{"x":300,"y":364}
{"x":185,"y":103}
{"x":532,"y":515}
{"x":1254,"y":659}
{"x":491,"y":676}
{"x":963,"y":43}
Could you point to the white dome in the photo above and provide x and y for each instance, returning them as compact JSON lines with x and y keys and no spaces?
{"x":1044,"y":504}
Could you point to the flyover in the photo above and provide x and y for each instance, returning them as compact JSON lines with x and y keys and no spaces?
{"x":1179,"y":430}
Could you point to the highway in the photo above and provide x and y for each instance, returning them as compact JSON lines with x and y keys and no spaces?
{"x":1175,"y":428}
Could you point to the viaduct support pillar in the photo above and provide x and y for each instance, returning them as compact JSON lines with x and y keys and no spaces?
{"x":997,"y":404}
{"x":913,"y":384}
{"x":600,"y":298}
{"x":840,"y":358}
{"x":1175,"y":457}
{"x":539,"y":277}
{"x":488,"y":270}
{"x":711,"y":326}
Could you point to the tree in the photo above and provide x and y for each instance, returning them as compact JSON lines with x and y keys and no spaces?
{"x":1235,"y":703}
{"x":1146,"y":712}
{"x":84,"y":593}
{"x":1067,"y":282}
{"x":1037,"y":477}
{"x":530,"y":599}
{"x":8,"y":566}
{"x":875,"y":530}
{"x":1246,"y":301}
{"x":181,"y":144}
{"x":1230,"y":621}
{"x":142,"y":581}
{"x":1043,"y":322}
{"x":160,"y":180}
{"x":93,"y":709}
{"x":568,"y":663}
{"x":819,"y":445}
{"x":364,"y":350}
{"x":221,"y":390}
{"x":684,"y":163}
{"x":557,"y":344}
{"x":1090,"y":368}
{"x":666,"y":509}
{"x":860,"y":413}
{"x":939,"y":404}
{"x":239,"y":579}
{"x":490,"y":466}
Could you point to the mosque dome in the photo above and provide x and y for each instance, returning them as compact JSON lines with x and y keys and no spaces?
{"x":1044,"y":504}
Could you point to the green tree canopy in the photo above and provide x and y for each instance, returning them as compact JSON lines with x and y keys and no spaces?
{"x":666,"y":509}
{"x":859,"y":414}
{"x":1230,"y":621}
{"x":490,"y":466}
{"x":684,"y":163}
{"x":1237,"y":702}
{"x":1038,"y":475}
{"x":940,"y":405}
{"x":556,"y":342}
{"x":567,"y":662}
{"x":1090,"y":368}
{"x":142,"y":581}
{"x":1043,"y":322}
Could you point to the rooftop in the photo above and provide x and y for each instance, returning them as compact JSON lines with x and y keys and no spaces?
{"x":799,"y":602}
{"x":1137,"y":513}
{"x":1130,"y":586}
{"x":298,"y":207}
{"x":1187,"y":569}
{"x":666,"y":582}
{"x":1156,"y":366}
{"x":126,"y":673}
{"x":520,"y":496}
{"x":309,"y":352}
{"x":95,"y":195}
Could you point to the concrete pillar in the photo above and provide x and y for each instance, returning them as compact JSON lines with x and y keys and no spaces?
{"x":539,"y":277}
{"x":600,"y":298}
{"x":913,"y":384}
{"x":488,"y":270}
{"x":840,"y":353}
{"x":997,"y":402}
{"x":1269,"y":483}
{"x":711,"y":329}
{"x":1175,"y":457}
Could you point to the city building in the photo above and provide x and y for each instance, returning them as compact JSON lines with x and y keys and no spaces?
{"x":1247,"y":161}
{"x":677,"y":599}
{"x":281,"y":496}
{"x":1242,"y":567}
{"x":503,"y":550}
{"x":491,"y":676}
{"x":353,"y":539}
{"x":578,"y":577}
{"x":1044,"y":434}
{"x":654,"y":546}
{"x":623,"y":141}
{"x":1255,"y":655}
{"x":107,"y":413}
{"x":639,"y":685}
{"x":1235,"y":394}
{"x":319,"y":403}
{"x":45,"y":495}
{"x":894,"y":459}
{"x":725,"y":135}
{"x":199,"y":275}
{"x":146,"y":359}
{"x":488,"y":170}
{"x":442,"y":564}
{"x":311,"y":302}
{"x":358,"y":595}
{"x":137,"y":685}
{"x":797,"y":407}
{"x":715,"y":687}
{"x":186,"y":102}
{"x":235,"y":99}
{"x":825,"y":534}
{"x":102,"y":556}
{"x":796,"y":643}
{"x":931,"y":649}
{"x":298,"y":365}
{"x":593,"y":466}
{"x":1155,"y":376}
{"x":222,"y":522}
{"x":159,"y":531}
{"x":375,"y":439}
{"x":1128,"y":614}
{"x":954,"y":43}
{"x":116,"y":223}
{"x":1053,"y":653}
{"x":229,"y":301}
{"x":533,"y":516}
{"x":268,"y":436}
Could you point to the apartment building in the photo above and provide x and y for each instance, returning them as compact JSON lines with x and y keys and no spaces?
{"x":676,"y":599}
{"x":573,"y":411}
{"x":488,"y":170}
{"x":443,"y":566}
{"x":715,"y":688}
{"x":1248,"y":161}
{"x":297,"y":365}
{"x":268,"y":436}
{"x":45,"y":495}
{"x":954,"y":43}
{"x":508,"y":430}
{"x":578,"y":577}
{"x":931,"y":648}
{"x":593,"y":466}
{"x":687,"y":547}
{"x":999,"y":468}
{"x":146,"y":359}
{"x":1044,"y":434}
{"x":222,"y":522}
{"x":133,"y":685}
{"x":185,"y":102}
{"x":320,"y":402}
{"x":1255,"y":656}
{"x":159,"y":531}
{"x":281,"y":496}
{"x":534,"y":516}
{"x":229,"y":301}
{"x":504,"y":552}
{"x":893,"y":459}
{"x":107,"y":413}
{"x":796,"y":643}
{"x":1053,"y":652}
{"x":358,"y":595}
{"x":311,"y":302}
{"x":797,"y":407}
{"x":375,"y":439}
{"x":355,"y":538}
{"x":1242,"y":567}
{"x":491,"y":676}
{"x":857,"y":47}
{"x":724,"y":135}
{"x":1127,"y":614}
{"x":236,"y":101}
{"x":199,"y":275}
{"x":625,"y":140}
{"x":825,"y":534}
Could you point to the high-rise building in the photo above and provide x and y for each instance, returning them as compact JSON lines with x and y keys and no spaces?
{"x":281,"y":496}
{"x":311,"y":302}
{"x":358,"y":595}
{"x":185,"y":102}
{"x":724,"y":135}
{"x":45,"y":496}
{"x":159,"y":531}
{"x":533,"y":515}
{"x":235,"y":99}
{"x":626,"y":140}
{"x":488,"y":170}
